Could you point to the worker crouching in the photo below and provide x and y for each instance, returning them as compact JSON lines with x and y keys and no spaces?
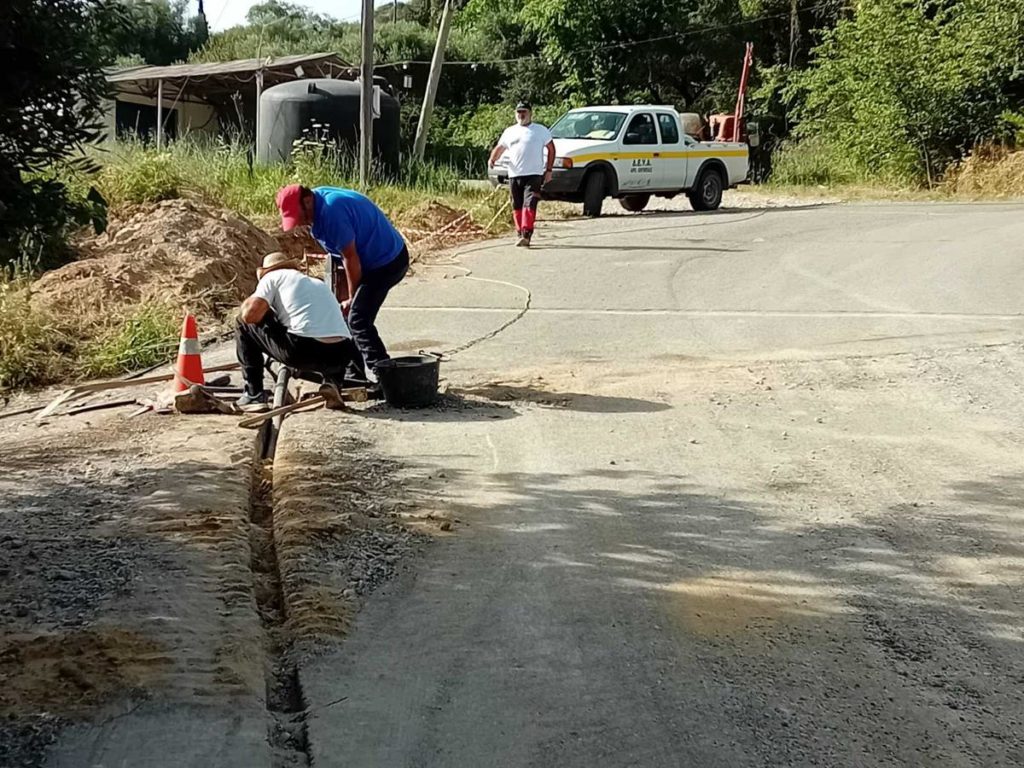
{"x":295,"y":320}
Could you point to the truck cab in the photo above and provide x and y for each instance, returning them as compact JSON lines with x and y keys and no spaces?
{"x":633,"y":153}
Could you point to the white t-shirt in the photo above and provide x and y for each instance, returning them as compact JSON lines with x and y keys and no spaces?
{"x":524,"y":147}
{"x":304,"y":305}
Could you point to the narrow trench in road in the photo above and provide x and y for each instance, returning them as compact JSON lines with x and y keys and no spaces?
{"x":286,"y":709}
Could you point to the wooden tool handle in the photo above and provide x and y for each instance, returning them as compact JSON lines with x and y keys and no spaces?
{"x":255,"y":421}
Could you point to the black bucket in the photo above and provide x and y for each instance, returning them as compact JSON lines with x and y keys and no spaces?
{"x":409,"y":382}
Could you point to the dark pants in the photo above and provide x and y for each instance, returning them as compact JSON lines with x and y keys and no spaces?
{"x":299,"y":352}
{"x":525,"y":197}
{"x":366,"y":303}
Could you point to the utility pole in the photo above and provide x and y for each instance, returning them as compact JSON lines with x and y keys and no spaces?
{"x":420,"y":147}
{"x":366,"y":96}
{"x":394,"y":12}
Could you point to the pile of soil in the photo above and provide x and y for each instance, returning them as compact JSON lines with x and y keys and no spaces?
{"x":420,"y":223}
{"x":177,"y":250}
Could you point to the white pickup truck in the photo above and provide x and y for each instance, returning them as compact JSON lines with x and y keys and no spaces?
{"x":632,"y":153}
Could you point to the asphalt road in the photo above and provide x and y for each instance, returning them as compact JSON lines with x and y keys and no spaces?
{"x":749,"y":492}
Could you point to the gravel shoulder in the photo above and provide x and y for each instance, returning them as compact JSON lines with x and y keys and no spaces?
{"x":127,"y":628}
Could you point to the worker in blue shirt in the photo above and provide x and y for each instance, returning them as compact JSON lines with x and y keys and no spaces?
{"x":356,"y":233}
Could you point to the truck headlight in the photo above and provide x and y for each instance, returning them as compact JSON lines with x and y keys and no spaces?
{"x":563,"y":162}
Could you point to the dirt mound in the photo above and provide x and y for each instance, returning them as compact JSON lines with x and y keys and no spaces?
{"x":176,"y":249}
{"x":433,"y":224}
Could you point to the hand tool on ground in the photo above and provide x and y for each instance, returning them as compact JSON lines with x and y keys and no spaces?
{"x":198,"y":399}
{"x":328,"y":396}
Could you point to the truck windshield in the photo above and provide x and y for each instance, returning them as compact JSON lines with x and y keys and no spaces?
{"x":588,"y":124}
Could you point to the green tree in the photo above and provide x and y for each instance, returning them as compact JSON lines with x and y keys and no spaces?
{"x":906,"y":86}
{"x":159,"y":31}
{"x":50,"y":105}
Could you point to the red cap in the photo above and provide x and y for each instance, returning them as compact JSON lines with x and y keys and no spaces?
{"x":289,"y":203}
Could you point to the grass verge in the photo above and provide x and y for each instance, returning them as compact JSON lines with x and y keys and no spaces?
{"x":37,"y":348}
{"x":145,"y":336}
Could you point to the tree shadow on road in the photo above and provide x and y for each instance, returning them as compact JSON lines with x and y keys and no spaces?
{"x":854,"y":628}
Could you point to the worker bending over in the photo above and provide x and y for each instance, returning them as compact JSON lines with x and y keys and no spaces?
{"x":295,"y":320}
{"x":359,"y":239}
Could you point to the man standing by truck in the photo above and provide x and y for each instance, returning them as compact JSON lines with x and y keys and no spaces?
{"x":531,"y":156}
{"x":361,"y":239}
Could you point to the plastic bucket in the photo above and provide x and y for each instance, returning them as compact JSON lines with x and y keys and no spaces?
{"x":409,"y":382}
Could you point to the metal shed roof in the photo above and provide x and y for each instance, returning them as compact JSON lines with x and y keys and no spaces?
{"x":224,"y":77}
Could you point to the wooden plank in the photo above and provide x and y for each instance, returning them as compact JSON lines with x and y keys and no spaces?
{"x":100,"y":406}
{"x":21,"y":411}
{"x":63,"y":397}
{"x":99,"y":386}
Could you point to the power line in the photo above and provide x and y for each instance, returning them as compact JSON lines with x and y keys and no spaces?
{"x":220,"y":13}
{"x":620,"y":45}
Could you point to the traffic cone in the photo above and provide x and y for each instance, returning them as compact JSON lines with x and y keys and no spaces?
{"x":189,"y":365}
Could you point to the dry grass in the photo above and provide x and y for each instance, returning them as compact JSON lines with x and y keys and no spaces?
{"x":990,"y":172}
{"x":38,"y":347}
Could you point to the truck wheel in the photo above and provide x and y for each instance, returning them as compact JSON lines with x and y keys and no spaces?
{"x":594,"y":191}
{"x":707,"y":194}
{"x":635,"y":203}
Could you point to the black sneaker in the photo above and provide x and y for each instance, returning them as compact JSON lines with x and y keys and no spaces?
{"x":253,"y":403}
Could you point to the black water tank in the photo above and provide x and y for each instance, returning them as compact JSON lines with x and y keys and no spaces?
{"x":290,"y":111}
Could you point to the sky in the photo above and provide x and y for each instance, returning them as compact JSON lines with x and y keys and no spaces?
{"x":221,"y":14}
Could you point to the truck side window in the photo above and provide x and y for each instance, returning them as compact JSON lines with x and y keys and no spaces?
{"x":669,"y":129}
{"x":641,"y":130}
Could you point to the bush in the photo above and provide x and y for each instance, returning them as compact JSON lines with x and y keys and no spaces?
{"x":53,"y":94}
{"x":902,"y":88}
{"x":813,"y":162}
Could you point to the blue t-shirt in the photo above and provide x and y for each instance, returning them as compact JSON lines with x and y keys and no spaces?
{"x":341,"y":216}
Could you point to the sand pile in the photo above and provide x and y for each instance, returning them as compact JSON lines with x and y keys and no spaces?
{"x":177,"y":250}
{"x":451,"y":226}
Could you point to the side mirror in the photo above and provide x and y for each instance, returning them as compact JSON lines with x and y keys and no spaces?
{"x":632,"y":138}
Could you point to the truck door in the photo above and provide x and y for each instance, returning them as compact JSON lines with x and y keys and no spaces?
{"x":637,"y":165}
{"x":671,"y":173}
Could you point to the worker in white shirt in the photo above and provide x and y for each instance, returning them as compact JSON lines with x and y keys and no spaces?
{"x":531,"y":156}
{"x":294,"y":319}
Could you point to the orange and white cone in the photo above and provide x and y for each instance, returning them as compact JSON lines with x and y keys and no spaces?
{"x":190,"y":365}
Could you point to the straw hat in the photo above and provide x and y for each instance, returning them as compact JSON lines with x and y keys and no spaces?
{"x":278,"y":260}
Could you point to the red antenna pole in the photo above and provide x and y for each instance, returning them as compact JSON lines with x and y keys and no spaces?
{"x":741,"y":98}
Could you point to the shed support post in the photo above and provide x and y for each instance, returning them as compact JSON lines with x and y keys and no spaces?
{"x":259,"y":94}
{"x":159,"y":114}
